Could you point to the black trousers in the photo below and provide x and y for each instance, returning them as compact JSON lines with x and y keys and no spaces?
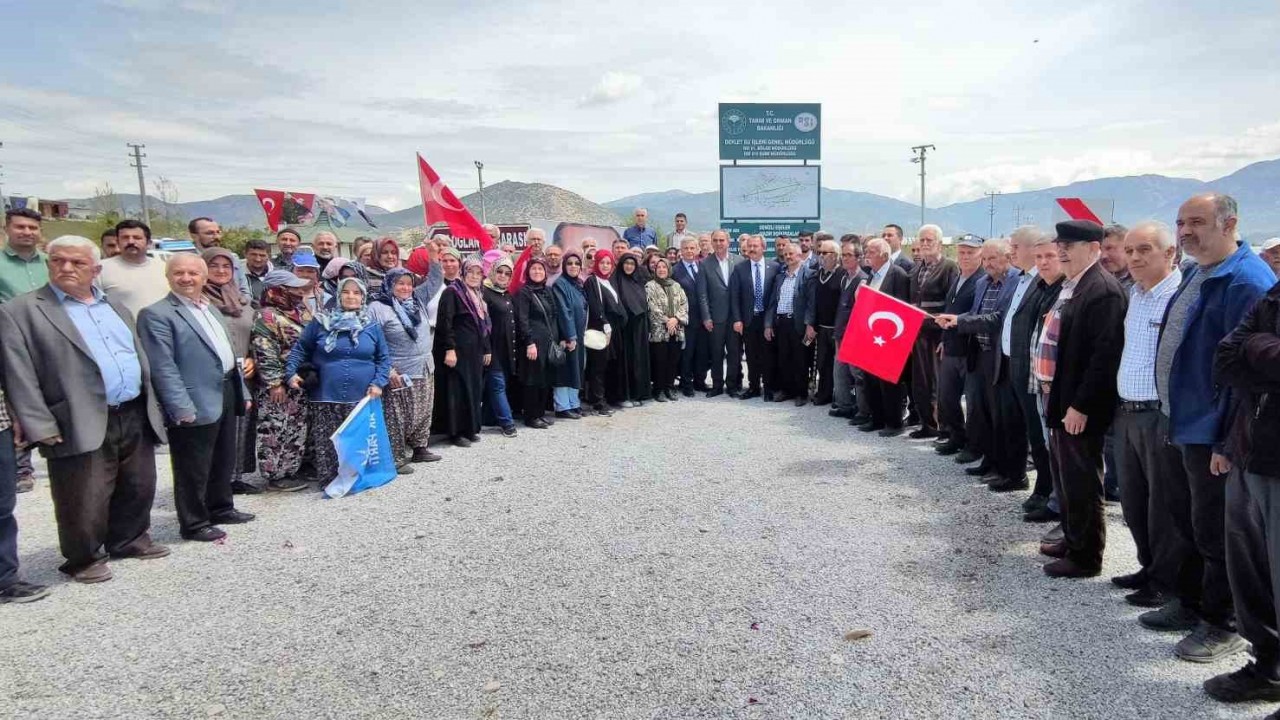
{"x":793,"y":378}
{"x":8,"y":501}
{"x":1197,"y":503}
{"x":102,"y":499}
{"x":951,"y":375}
{"x":694,"y":359}
{"x":203,"y":458}
{"x":977,"y":419}
{"x":885,"y":401}
{"x":1146,"y":464}
{"x":593,"y":387}
{"x":664,"y":363}
{"x":537,"y":399}
{"x":1035,"y":437}
{"x":1009,"y":452}
{"x":1253,"y":561}
{"x":759,"y":355}
{"x":825,"y":358}
{"x":1077,"y":479}
{"x":726,"y":349}
{"x":924,"y":376}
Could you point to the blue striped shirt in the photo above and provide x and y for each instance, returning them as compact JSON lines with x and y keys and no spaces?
{"x":1136,"y":379}
{"x":787,"y":294}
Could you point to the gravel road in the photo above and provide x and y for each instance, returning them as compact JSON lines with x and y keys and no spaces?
{"x":634,"y":567}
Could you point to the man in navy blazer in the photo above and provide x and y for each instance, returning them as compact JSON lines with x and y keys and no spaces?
{"x":694,"y":359}
{"x":747,"y":306}
{"x":201,"y":390}
{"x":713,"y":296}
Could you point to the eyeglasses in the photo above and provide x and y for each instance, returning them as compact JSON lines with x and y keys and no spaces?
{"x":572,"y":263}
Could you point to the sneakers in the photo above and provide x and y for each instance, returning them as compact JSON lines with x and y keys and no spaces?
{"x":1173,"y":617}
{"x":286,"y":485}
{"x":1208,"y":643}
{"x":23,"y":592}
{"x":423,"y":455}
{"x":1248,"y":684}
{"x":510,"y":430}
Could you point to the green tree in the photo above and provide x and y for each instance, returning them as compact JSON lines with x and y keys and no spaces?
{"x":235,"y":238}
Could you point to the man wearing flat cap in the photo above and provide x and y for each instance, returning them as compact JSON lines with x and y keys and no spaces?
{"x":1077,"y":356}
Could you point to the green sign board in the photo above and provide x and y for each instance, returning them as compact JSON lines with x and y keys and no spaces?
{"x":769,"y":230}
{"x":770,"y":131}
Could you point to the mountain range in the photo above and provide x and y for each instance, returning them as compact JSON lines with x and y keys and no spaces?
{"x":1256,"y":187}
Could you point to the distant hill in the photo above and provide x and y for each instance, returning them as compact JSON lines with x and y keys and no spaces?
{"x":229,"y":210}
{"x":517,"y":202}
{"x":1256,"y":187}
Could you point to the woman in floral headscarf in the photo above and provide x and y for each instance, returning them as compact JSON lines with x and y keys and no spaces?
{"x":411,"y":385}
{"x":351,"y":358}
{"x":282,"y":412}
{"x":668,"y":316}
{"x":462,"y":329}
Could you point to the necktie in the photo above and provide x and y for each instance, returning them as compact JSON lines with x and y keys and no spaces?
{"x":759,"y":290}
{"x":693,"y":269}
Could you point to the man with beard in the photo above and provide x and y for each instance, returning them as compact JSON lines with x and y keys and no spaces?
{"x":205,"y":234}
{"x":325,"y":245}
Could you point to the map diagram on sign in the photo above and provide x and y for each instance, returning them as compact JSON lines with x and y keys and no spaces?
{"x":762,"y":192}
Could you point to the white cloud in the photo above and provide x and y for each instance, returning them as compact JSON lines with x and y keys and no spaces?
{"x":611,"y":88}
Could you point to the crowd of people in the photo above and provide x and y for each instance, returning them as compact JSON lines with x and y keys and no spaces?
{"x":1115,"y":364}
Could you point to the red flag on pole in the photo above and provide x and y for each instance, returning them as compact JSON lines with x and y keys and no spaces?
{"x":272,"y":202}
{"x":441,"y":205}
{"x":881,"y":332}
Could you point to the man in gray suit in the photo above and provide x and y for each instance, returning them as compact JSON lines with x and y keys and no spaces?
{"x":195,"y":374}
{"x":78,"y":382}
{"x":713,"y":303}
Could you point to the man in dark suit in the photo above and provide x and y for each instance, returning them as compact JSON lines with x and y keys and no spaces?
{"x":94,"y":418}
{"x":693,"y":359}
{"x":1006,"y":453}
{"x":931,"y":280}
{"x":1086,"y":325}
{"x":784,"y":326}
{"x":844,"y":404}
{"x":195,"y":374}
{"x":892,"y":234}
{"x":885,"y":398}
{"x":750,"y":286}
{"x":954,"y":348}
{"x":713,"y":301}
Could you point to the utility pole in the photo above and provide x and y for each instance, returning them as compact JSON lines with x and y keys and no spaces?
{"x":992,"y":212}
{"x":142,"y":183}
{"x":484,"y":213}
{"x":920,"y":151}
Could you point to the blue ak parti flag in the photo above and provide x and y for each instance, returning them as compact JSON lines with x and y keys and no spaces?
{"x":364,"y":451}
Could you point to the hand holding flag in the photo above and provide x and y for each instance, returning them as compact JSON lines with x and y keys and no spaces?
{"x":881,"y":332}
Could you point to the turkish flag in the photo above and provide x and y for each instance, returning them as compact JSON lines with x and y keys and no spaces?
{"x":441,"y":205}
{"x":881,"y":332}
{"x":272,"y":202}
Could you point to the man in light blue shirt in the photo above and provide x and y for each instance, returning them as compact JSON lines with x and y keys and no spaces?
{"x":640,"y":235}
{"x":110,"y":343}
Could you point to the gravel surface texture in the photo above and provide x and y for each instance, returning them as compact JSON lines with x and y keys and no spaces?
{"x":632,"y":567}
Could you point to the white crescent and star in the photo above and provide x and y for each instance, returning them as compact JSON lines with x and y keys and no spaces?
{"x":437,"y":194}
{"x":898,"y":325}
{"x":269,"y":204}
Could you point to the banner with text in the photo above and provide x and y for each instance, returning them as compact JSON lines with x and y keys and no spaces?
{"x":770,"y":131}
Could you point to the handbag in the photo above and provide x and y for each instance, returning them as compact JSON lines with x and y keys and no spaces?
{"x":555,"y":352}
{"x":596,"y":339}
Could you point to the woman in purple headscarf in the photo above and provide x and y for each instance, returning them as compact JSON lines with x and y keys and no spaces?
{"x":463,"y":327}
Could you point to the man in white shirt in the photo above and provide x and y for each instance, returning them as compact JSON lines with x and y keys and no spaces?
{"x":195,"y":374}
{"x":132,"y":278}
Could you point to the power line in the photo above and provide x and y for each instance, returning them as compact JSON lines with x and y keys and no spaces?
{"x":142,"y":183}
{"x":992,"y":212}
{"x":920,"y":151}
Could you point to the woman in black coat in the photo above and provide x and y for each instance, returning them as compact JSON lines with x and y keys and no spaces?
{"x":501,"y":387}
{"x":632,"y":338}
{"x":604,"y":312}
{"x":537,"y":327}
{"x":462,"y":324}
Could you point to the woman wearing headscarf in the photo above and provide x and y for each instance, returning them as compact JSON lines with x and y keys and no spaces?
{"x":411,"y":387}
{"x":632,"y":337}
{"x":386,"y":256}
{"x":337,"y":269}
{"x":573,"y":310}
{"x":603,"y":313}
{"x":500,"y":383}
{"x":222,"y":293}
{"x":351,"y":358}
{"x":537,"y":327}
{"x":668,"y":316}
{"x":451,"y":270}
{"x":462,"y":345}
{"x":282,"y":412}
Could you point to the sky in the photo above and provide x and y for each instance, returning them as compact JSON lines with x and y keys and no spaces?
{"x":610,"y":100}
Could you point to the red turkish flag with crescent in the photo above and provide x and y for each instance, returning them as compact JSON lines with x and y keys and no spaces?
{"x":272,"y":202}
{"x":442,"y":206}
{"x":881,"y":332}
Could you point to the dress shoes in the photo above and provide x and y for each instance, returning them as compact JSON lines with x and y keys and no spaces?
{"x":1053,"y":549}
{"x":537,"y":424}
{"x":714,"y":393}
{"x":659,"y":397}
{"x":459,"y":441}
{"x":1041,"y":514}
{"x":423,"y":455}
{"x":232,"y":517}
{"x":687,"y":392}
{"x":967,"y":456}
{"x":978,"y":470}
{"x":1132,"y":581}
{"x":748,"y":394}
{"x":568,"y":414}
{"x":154,"y":551}
{"x":1068,"y":568}
{"x":890,"y":432}
{"x":95,"y":573}
{"x":923,"y":433}
{"x":947,"y":448}
{"x":244,"y":488}
{"x":1003,"y":485}
{"x":1034,"y":501}
{"x":1055,"y":534}
{"x":208,"y":533}
{"x":859,"y":418}
{"x":801,"y":401}
{"x":672,"y":396}
{"x":1146,"y":597}
{"x":839,"y":413}
{"x":783,"y":397}
{"x":870,"y":427}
